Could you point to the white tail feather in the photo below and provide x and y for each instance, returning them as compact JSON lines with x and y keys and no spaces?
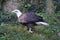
{"x":44,"y":23}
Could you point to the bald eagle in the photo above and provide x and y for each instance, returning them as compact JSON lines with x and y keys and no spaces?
{"x":29,"y":19}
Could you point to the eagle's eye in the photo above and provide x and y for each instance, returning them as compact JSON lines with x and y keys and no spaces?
{"x":16,"y":11}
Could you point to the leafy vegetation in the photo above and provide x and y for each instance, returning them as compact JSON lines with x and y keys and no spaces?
{"x":14,"y":31}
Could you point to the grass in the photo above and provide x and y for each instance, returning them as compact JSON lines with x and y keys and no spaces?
{"x":17,"y":32}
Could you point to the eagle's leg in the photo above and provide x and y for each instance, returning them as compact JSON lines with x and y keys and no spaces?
{"x":30,"y":27}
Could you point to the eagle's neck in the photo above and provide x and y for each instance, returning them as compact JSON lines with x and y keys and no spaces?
{"x":18,"y":14}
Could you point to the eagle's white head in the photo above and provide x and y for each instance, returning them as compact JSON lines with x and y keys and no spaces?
{"x":18,"y":12}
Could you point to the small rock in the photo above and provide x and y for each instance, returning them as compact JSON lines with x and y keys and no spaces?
{"x":58,"y":33}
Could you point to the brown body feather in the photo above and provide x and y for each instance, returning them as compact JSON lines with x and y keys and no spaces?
{"x":29,"y":17}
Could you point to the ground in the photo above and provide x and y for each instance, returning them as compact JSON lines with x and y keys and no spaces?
{"x":18,"y":32}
